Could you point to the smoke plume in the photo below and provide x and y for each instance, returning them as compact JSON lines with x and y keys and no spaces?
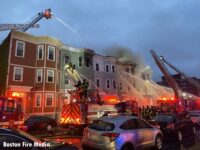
{"x":125,"y":55}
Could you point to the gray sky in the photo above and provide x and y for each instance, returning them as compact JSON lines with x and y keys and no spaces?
{"x":170,"y":27}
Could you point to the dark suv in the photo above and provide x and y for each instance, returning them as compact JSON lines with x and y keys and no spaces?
{"x":174,"y":126}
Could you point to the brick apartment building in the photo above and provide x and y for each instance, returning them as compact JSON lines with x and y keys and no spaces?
{"x":30,"y":67}
{"x":34,"y":67}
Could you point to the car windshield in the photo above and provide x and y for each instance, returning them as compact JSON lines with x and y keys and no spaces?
{"x":164,"y":118}
{"x":102,"y":125}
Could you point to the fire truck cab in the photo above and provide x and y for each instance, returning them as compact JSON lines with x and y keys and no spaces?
{"x":11,"y":111}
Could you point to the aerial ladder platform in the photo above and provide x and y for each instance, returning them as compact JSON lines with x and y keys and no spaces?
{"x":47,"y":13}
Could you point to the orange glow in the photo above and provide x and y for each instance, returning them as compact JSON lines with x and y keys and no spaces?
{"x":78,"y":120}
{"x":172,"y":98}
{"x":15,"y":94}
{"x":164,"y":98}
{"x":110,"y":98}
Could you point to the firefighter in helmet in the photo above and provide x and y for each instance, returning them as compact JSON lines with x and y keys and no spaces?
{"x":84,"y":87}
{"x":79,"y":90}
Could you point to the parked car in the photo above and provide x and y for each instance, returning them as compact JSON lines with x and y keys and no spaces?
{"x":195,"y":117}
{"x":40,"y":123}
{"x":17,"y":139}
{"x":121,"y":133}
{"x":174,"y":126}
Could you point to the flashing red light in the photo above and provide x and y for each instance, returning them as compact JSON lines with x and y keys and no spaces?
{"x":110,"y":98}
{"x":164,"y":98}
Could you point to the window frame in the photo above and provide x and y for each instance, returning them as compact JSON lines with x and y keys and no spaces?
{"x":40,"y":95}
{"x":114,"y":83}
{"x":46,"y":96}
{"x":96,"y":67}
{"x":47,"y":80}
{"x":97,"y":79}
{"x":108,"y":81}
{"x":23,"y":54}
{"x":22,"y":72}
{"x":54,"y":53}
{"x":38,"y":52}
{"x":107,"y":67}
{"x":113,"y":68}
{"x":80,"y":63}
{"x":68,"y":79}
{"x":37,"y":73}
{"x":68,"y":58}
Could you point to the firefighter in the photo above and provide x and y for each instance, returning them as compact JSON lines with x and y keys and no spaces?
{"x":84,"y":87}
{"x":79,"y":90}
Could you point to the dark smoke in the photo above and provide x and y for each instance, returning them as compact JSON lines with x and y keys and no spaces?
{"x":125,"y":55}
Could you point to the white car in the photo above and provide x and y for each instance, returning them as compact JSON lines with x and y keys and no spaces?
{"x":121,"y":133}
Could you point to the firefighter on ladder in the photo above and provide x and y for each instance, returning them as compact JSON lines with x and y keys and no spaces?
{"x":84,"y":87}
{"x":79,"y":90}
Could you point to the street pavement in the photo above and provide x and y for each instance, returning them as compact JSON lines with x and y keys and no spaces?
{"x":70,"y":136}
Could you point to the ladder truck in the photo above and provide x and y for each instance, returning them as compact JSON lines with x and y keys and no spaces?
{"x":47,"y":13}
{"x":180,"y":101}
{"x":82,"y":110}
{"x":190,"y":80}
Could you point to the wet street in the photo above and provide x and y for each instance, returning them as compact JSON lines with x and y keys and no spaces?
{"x":75,"y":139}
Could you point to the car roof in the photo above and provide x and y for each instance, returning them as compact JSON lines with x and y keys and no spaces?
{"x":5,"y":130}
{"x":117,"y":120}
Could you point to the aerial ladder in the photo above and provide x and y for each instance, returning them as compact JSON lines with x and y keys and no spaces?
{"x":190,"y":80}
{"x":179,"y":94}
{"x":177,"y":90}
{"x":47,"y":13}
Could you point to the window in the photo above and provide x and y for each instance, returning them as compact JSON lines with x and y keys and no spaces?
{"x":127,"y":70}
{"x":39,"y":75}
{"x":143,"y":76}
{"x":141,"y":124}
{"x":51,"y":53}
{"x":108,"y":84}
{"x":97,"y":67}
{"x":40,"y":52}
{"x":114,"y":84}
{"x":67,"y":80}
{"x":80,"y":61}
{"x":50,"y":76}
{"x":18,"y":74}
{"x":120,"y":86}
{"x":67,"y":60}
{"x":9,"y":106}
{"x":97,"y":82}
{"x":113,"y":68}
{"x":129,"y":125}
{"x":38,"y":100}
{"x":107,"y":68}
{"x":49,"y":100}
{"x":87,"y":62}
{"x":20,"y":49}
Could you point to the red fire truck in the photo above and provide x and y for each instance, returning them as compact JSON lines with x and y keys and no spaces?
{"x":76,"y":114}
{"x":11,"y":111}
